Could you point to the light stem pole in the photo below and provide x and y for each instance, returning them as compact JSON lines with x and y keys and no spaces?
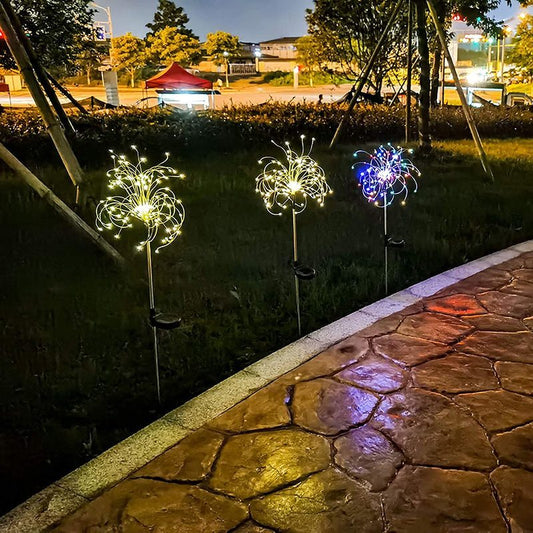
{"x":296,"y":280}
{"x":385,"y":246}
{"x":152,"y":311}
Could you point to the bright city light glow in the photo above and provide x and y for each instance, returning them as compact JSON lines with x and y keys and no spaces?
{"x":145,"y":199}
{"x":291,"y":183}
{"x":385,"y":174}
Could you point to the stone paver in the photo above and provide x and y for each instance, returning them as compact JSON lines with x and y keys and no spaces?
{"x":375,"y":373}
{"x":408,"y":350}
{"x":456,"y":305}
{"x":501,"y":303}
{"x":434,"y":500}
{"x":366,"y":454}
{"x":498,"y":409}
{"x":268,"y":409}
{"x":431,"y":430}
{"x":190,"y":460}
{"x":423,"y":422}
{"x":257,"y":463}
{"x":327,"y":407}
{"x":515,"y":447}
{"x":456,"y":373}
{"x":515,"y":494}
{"x":490,"y":322}
{"x":329,"y":501}
{"x":146,"y":505}
{"x":435,"y":327}
{"x":515,"y":377}
{"x":504,"y":346}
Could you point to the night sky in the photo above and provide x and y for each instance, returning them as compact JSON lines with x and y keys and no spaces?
{"x":251,"y":20}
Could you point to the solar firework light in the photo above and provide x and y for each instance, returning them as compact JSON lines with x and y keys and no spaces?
{"x":288,"y":184}
{"x":144,"y":199}
{"x":384,"y":175}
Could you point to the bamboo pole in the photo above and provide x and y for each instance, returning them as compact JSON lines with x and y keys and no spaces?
{"x":409,"y":71}
{"x":462,"y":97}
{"x":39,"y":71}
{"x":52,"y":125}
{"x":44,"y":192}
{"x":67,"y":94}
{"x":368,"y":68}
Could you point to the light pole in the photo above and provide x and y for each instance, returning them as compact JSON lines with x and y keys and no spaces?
{"x":257,"y":55}
{"x":504,"y":35}
{"x":226,"y":62}
{"x":109,"y":24}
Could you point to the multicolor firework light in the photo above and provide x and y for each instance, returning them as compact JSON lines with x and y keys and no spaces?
{"x":145,"y":199}
{"x":386,"y":174}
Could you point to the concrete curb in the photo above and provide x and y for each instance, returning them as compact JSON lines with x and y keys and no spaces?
{"x":62,"y":498}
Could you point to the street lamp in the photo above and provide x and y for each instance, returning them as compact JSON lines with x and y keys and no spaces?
{"x":109,"y":23}
{"x":226,"y":62}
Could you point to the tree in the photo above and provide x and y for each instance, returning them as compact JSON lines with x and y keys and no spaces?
{"x":475,"y":13}
{"x":522,"y":53}
{"x":128,"y":53}
{"x":347,"y":32}
{"x":169,"y":45}
{"x":59,"y":31}
{"x":89,"y":59}
{"x":169,"y":15}
{"x":220,"y":46}
{"x":310,"y":54}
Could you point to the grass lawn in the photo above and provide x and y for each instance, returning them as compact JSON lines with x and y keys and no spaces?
{"x":76,"y":372}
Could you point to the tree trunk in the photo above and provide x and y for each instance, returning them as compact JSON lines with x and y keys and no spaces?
{"x":132,"y":78}
{"x":435,"y":74}
{"x":88,"y":76}
{"x":424,"y":139}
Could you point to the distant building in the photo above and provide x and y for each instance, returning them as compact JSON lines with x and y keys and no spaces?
{"x":13,"y":79}
{"x":283,"y":48}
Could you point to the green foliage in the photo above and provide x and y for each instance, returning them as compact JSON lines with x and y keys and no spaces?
{"x":310,"y":52}
{"x":280,"y":78}
{"x":170,"y":45}
{"x":59,"y":31}
{"x":128,"y":53}
{"x":522,"y":53}
{"x":247,"y":125}
{"x":347,"y":31}
{"x":168,"y":14}
{"x":222,"y":46}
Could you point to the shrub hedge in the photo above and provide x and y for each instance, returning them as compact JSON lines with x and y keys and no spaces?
{"x":239,"y":126}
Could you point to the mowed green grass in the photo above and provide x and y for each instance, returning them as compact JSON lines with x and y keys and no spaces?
{"x":76,"y":372}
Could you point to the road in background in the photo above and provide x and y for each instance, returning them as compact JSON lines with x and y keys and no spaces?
{"x":255,"y":95}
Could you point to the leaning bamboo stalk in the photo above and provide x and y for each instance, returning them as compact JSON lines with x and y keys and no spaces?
{"x":52,"y":125}
{"x":466,"y":109}
{"x":44,"y":192}
{"x":37,"y":67}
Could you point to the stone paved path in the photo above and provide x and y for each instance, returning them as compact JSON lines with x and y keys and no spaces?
{"x":421,"y":423}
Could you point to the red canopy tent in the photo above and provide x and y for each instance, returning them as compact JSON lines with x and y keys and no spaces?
{"x":176,"y":77}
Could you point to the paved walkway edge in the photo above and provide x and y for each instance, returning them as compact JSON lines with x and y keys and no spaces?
{"x":62,"y":498}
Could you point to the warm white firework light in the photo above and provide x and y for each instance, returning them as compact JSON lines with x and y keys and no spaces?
{"x":289,"y":184}
{"x":145,"y":198}
{"x":384,"y":175}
